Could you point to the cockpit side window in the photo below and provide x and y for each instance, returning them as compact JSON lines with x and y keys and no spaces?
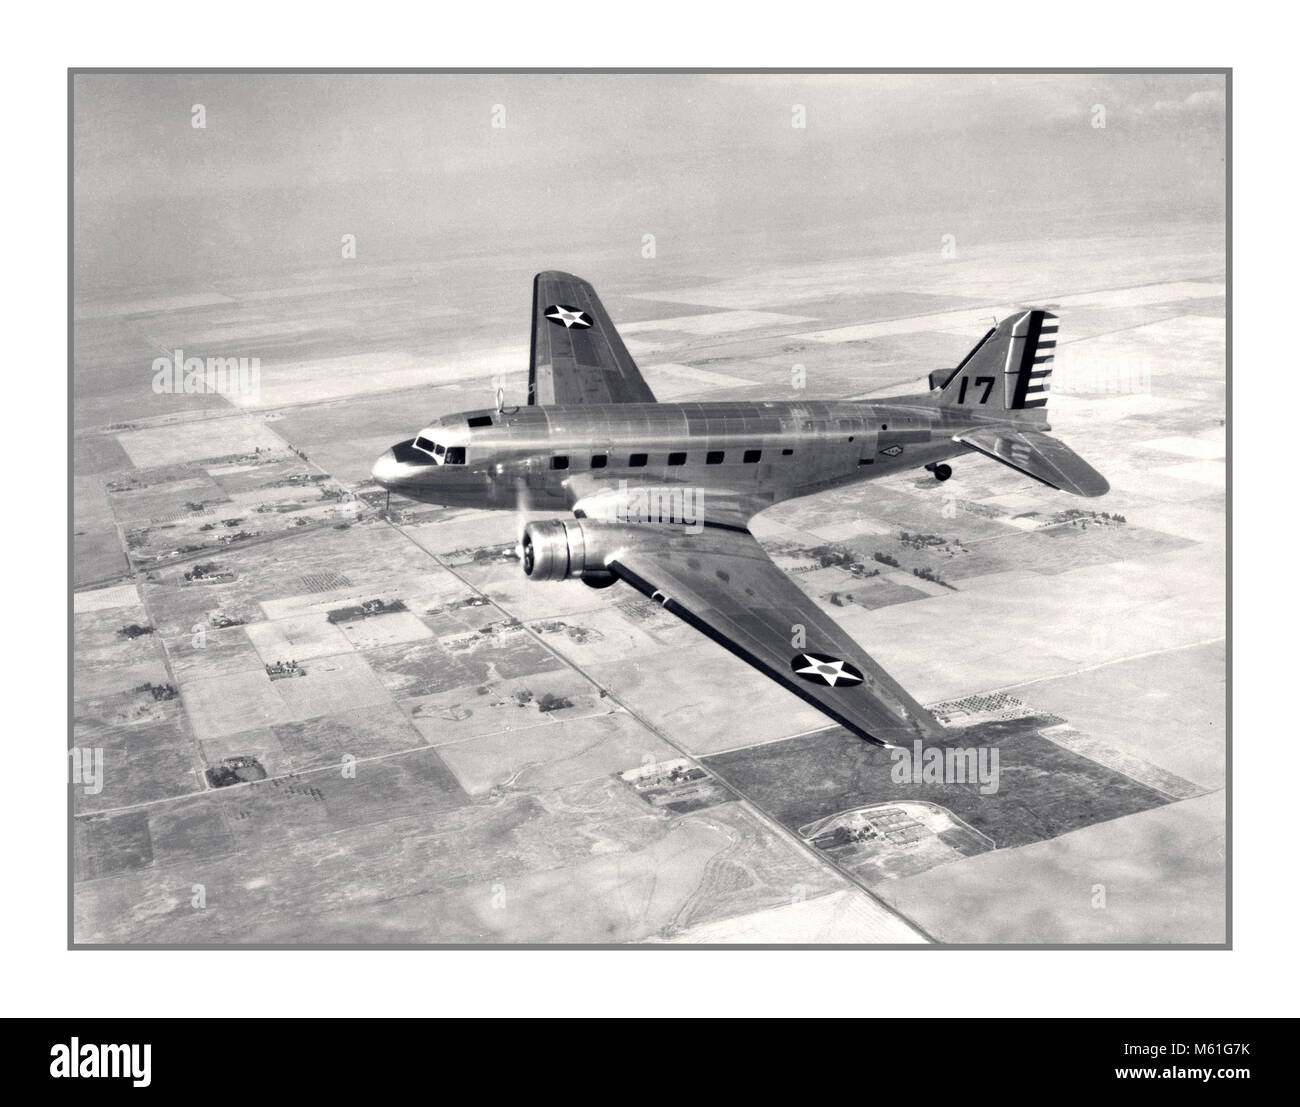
{"x":455,"y":455}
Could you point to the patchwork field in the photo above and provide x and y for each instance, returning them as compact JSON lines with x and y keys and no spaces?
{"x":320,"y":721}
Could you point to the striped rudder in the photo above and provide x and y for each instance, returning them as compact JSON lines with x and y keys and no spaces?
{"x":1029,"y":360}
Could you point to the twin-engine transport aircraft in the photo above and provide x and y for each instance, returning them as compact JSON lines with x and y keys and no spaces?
{"x":661,"y":495}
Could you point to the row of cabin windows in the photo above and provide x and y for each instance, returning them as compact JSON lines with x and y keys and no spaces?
{"x":637,"y":461}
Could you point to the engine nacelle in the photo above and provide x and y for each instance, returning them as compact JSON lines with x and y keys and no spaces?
{"x":560,"y":549}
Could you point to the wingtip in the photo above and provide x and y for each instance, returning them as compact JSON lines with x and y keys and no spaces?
{"x":1097,"y":486}
{"x":555,"y":275}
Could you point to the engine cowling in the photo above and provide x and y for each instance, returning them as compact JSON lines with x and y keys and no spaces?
{"x":561,"y":549}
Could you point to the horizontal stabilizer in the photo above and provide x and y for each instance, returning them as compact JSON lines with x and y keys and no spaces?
{"x":1038,"y":455}
{"x":939,"y":378}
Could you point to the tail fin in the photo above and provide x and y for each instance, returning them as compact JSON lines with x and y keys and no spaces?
{"x":1009,"y":367}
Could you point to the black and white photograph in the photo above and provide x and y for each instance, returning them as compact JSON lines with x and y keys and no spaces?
{"x":586,"y":509}
{"x":681,"y":512}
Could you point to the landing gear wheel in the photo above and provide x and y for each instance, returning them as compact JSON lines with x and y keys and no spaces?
{"x":942,"y":472}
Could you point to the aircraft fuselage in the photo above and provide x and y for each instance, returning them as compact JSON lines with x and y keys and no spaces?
{"x":764,"y":452}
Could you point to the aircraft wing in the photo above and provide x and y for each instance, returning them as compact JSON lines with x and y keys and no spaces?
{"x":577,"y":355}
{"x":722,"y":583}
{"x":1037,"y":455}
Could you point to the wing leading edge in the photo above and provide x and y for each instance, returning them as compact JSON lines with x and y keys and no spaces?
{"x":723,"y":584}
{"x":577,"y":355}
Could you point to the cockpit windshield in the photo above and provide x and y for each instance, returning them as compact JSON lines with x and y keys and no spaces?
{"x":431,"y":443}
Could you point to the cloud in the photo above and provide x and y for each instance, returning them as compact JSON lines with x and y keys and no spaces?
{"x":1210,"y":102}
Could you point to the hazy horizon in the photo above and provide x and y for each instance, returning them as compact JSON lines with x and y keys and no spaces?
{"x":710,"y":165}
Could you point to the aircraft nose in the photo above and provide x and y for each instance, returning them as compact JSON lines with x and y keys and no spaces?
{"x":387,"y":470}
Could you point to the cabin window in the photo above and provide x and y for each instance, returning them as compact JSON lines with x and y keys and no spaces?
{"x":599,"y":461}
{"x":637,"y":460}
{"x":481,"y":421}
{"x":559,"y":462}
{"x":787,"y":452}
{"x":714,"y":457}
{"x":677,"y":458}
{"x":423,"y":444}
{"x":455,"y":455}
{"x":752,"y":456}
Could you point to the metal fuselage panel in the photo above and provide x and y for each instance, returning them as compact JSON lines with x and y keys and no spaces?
{"x":770,"y":451}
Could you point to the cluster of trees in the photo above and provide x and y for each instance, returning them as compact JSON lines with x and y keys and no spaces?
{"x":837,"y":557}
{"x":1075,"y":517}
{"x":548,"y":702}
{"x":916,"y":541}
{"x":158,"y":691}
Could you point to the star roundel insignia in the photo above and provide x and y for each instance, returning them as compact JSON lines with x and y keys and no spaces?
{"x":564,"y":316}
{"x":820,"y":669}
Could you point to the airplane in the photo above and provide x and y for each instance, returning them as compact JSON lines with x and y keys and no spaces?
{"x":660,"y":495}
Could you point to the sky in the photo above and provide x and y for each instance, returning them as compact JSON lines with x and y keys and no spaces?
{"x":414,"y":167}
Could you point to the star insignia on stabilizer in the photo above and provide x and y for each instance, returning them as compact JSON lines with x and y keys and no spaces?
{"x":820,"y":669}
{"x":564,"y":316}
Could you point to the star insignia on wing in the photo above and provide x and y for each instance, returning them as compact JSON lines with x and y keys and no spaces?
{"x":568,"y":317}
{"x":821,"y":669}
